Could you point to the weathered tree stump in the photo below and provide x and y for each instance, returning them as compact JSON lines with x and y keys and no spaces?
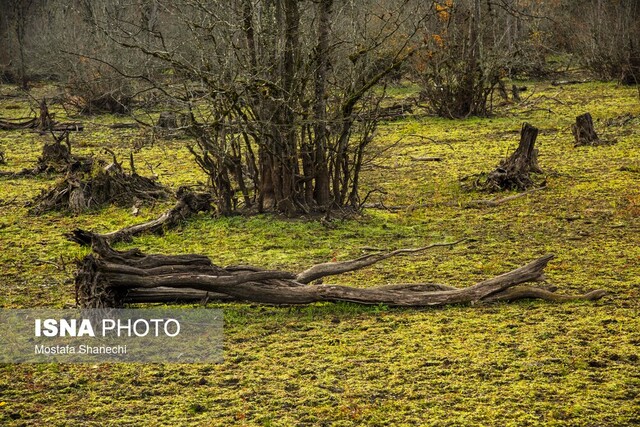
{"x":55,"y":158}
{"x":515,"y":93}
{"x":168,"y":120}
{"x":110,"y":278}
{"x":83,"y":189}
{"x":584,"y":132}
{"x":515,"y":172}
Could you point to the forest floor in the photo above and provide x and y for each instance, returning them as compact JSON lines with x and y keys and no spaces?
{"x":529,"y":363}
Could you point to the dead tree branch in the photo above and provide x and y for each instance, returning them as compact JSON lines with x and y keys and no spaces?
{"x":110,"y":278}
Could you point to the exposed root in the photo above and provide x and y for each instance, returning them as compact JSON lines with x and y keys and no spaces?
{"x":103,"y":185}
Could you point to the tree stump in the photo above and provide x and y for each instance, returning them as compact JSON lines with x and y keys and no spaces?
{"x":515,"y":92}
{"x":583,"y":131}
{"x":90,"y":185}
{"x":168,"y":120}
{"x":515,"y":172}
{"x":631,"y":72}
{"x":45,"y":120}
{"x":55,"y":158}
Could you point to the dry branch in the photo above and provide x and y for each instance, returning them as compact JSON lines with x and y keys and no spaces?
{"x":333,"y":268}
{"x":188,"y":204}
{"x":110,"y":278}
{"x":499,"y":201}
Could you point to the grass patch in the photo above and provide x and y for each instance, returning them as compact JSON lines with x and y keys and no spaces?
{"x":526,"y":364}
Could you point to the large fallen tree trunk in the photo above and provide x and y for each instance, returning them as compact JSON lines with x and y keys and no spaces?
{"x":110,"y":278}
{"x":188,"y":204}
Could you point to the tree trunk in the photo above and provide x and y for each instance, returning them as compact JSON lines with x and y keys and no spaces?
{"x":109,"y":278}
{"x":321,"y":190}
{"x":583,"y":131}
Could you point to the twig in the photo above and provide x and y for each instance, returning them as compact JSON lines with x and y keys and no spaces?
{"x":426,"y":159}
{"x":496,"y":202}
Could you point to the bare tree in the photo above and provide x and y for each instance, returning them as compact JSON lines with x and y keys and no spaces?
{"x":277,"y":93}
{"x":16,"y":21}
{"x":605,"y":36}
{"x":470,"y":47}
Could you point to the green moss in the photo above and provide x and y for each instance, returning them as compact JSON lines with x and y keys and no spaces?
{"x":524,"y":364}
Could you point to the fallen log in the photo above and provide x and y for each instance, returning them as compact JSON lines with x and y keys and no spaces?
{"x":43,"y":122}
{"x":67,"y":127}
{"x":188,"y":204}
{"x":110,"y":278}
{"x":393,"y":112}
{"x":426,"y":159}
{"x":124,"y":126}
{"x":16,"y":124}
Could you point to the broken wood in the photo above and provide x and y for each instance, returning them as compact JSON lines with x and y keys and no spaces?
{"x":56,"y":157}
{"x":426,"y":159}
{"x":110,"y":278}
{"x":515,"y":172}
{"x":188,"y":204}
{"x":43,"y":122}
{"x":124,"y":126}
{"x":83,"y":189}
{"x":499,"y":201}
{"x":584,"y":132}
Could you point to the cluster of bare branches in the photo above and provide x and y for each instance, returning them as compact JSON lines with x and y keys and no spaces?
{"x":278,"y":94}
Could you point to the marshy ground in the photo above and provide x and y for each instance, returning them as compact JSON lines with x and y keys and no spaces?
{"x":524,"y":364}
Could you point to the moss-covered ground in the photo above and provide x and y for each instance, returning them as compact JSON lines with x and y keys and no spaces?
{"x":524,"y":364}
